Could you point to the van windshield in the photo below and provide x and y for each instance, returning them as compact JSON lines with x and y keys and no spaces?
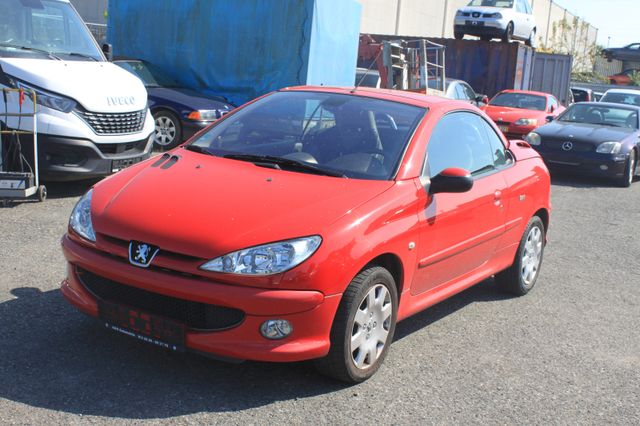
{"x":45,"y":29}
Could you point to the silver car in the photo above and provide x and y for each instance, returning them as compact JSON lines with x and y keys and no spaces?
{"x":504,"y":19}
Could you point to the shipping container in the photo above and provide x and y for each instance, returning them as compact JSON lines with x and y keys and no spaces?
{"x":489,"y":67}
{"x":552,"y":74}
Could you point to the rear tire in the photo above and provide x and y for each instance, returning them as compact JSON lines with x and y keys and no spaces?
{"x":363,"y":328}
{"x":629,"y":171}
{"x":531,"y":41}
{"x":508,"y":33}
{"x":522,"y":275}
{"x":485,"y":38}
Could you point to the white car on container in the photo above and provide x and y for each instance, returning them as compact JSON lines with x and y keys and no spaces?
{"x":92,"y":116}
{"x":505,"y":19}
{"x":622,"y":96}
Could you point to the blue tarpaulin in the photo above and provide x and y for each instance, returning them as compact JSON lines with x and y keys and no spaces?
{"x":241,"y":49}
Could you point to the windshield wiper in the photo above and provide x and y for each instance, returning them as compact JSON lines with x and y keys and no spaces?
{"x":31,"y":49}
{"x":287,"y":163}
{"x":81,"y":55}
{"x":199,"y":149}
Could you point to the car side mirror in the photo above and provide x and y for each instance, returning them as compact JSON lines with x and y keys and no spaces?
{"x":550,"y":118}
{"x":107,"y":49}
{"x":451,"y":180}
{"x":482,"y":98}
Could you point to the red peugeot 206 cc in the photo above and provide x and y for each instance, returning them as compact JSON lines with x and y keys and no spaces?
{"x":305,"y":224}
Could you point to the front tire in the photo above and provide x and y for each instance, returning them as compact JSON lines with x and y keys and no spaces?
{"x":508,"y":33}
{"x":363,"y":327}
{"x":629,"y":171}
{"x":168,"y":133}
{"x":531,"y":42}
{"x":522,"y":275}
{"x":458,"y":36}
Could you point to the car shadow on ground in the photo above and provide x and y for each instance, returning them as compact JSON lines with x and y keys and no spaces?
{"x":577,"y":181}
{"x":56,"y":358}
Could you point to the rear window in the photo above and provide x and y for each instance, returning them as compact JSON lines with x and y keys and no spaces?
{"x":622,"y":98}
{"x":520,"y":100}
{"x":354,"y":136}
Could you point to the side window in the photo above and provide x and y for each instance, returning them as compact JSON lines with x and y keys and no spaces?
{"x":460,"y":94}
{"x":528,"y":7}
{"x":500,"y":155}
{"x":461,"y":140}
{"x":553,"y":103}
{"x":470,"y":94}
{"x":520,"y":6}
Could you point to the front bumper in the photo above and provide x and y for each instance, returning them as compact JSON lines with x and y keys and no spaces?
{"x":310,"y":312}
{"x":480,"y":27}
{"x":585,"y":163}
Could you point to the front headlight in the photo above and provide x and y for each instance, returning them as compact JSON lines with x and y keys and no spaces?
{"x":80,"y":220}
{"x":609,"y":148}
{"x":459,"y":13}
{"x":496,"y":15}
{"x":206,"y":114}
{"x":526,"y":122}
{"x":49,"y":100}
{"x":533,"y":139}
{"x":267,"y":259}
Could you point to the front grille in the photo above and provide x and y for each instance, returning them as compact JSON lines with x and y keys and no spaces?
{"x":466,"y":14}
{"x":122,"y":148}
{"x":476,"y":14}
{"x":114,"y":123}
{"x":556,"y":145}
{"x":195,"y":315}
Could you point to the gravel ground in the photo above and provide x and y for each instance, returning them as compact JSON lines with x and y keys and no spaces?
{"x":567,"y":353}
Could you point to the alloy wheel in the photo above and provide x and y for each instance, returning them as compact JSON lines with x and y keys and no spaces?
{"x":371,"y":327}
{"x":531,"y":256}
{"x":165,"y":132}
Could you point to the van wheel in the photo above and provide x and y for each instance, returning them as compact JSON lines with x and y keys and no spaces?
{"x":522,"y":275}
{"x":508,"y":33}
{"x":168,"y":132}
{"x":363,"y":327}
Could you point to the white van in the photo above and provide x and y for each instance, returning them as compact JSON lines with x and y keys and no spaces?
{"x":92,"y":117}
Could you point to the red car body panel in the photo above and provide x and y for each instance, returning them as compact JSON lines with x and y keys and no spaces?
{"x":505,"y":117}
{"x":193,"y":211}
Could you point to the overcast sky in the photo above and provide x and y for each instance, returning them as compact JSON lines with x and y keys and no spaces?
{"x":618,"y":19}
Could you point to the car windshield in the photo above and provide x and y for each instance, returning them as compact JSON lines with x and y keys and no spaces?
{"x":367,"y":78}
{"x":580,"y":95}
{"x":343,"y":135}
{"x":492,"y":3}
{"x":601,"y":115}
{"x":150,"y":75}
{"x":520,"y":100}
{"x":45,"y":28}
{"x":622,"y":98}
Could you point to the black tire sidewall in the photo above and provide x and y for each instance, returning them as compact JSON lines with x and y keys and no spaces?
{"x":177,"y":140}
{"x":378,"y":275}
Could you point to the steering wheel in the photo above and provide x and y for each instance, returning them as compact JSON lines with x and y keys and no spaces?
{"x":390,"y":120}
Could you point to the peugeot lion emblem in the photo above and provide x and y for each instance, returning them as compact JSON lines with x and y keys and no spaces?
{"x":567,"y":146}
{"x":141,"y":254}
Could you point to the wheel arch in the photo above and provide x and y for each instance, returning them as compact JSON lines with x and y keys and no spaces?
{"x":393,"y":264}
{"x":543,"y":214}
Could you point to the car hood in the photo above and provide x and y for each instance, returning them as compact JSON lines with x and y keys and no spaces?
{"x":510,"y":115}
{"x":584,"y":132}
{"x":206,"y":206}
{"x":97,"y":86}
{"x":187,"y":98}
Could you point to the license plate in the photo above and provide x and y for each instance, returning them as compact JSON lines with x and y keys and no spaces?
{"x":145,"y":327}
{"x":503,"y":129}
{"x":475,"y":23}
{"x":117,"y":165}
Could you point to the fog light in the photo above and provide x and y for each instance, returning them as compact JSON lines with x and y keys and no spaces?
{"x":604,"y":167}
{"x":276,"y":329}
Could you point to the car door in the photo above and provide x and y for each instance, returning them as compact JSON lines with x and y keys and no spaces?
{"x":458,"y":233}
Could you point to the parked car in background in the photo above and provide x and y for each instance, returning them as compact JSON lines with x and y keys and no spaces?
{"x":622,"y":96}
{"x":276,"y":238}
{"x":630,"y":52}
{"x":623,"y":78}
{"x":582,"y":94}
{"x":504,"y":19}
{"x":518,"y":112}
{"x":460,"y":90}
{"x":178,"y":112}
{"x":367,"y":78}
{"x":597,"y":96}
{"x":592,"y":138}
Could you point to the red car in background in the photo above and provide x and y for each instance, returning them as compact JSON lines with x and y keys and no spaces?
{"x":623,"y":78}
{"x":305,"y":224}
{"x":519,"y":112}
